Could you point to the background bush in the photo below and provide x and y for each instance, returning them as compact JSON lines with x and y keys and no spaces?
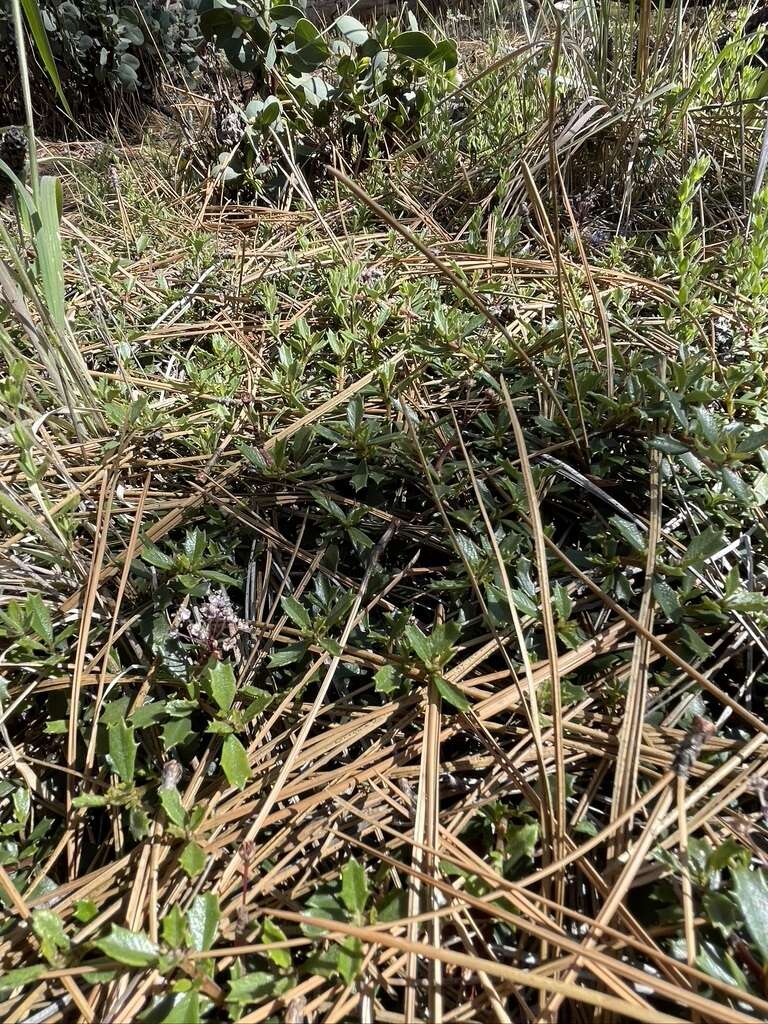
{"x":104,"y":50}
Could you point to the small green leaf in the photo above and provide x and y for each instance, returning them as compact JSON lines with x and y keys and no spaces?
{"x":148,"y":714}
{"x":185,"y":1008}
{"x":288,"y":655}
{"x":138,"y":823}
{"x":135,"y":949}
{"x":256,"y":986}
{"x":668,"y":445}
{"x":754,"y":440}
{"x":386,"y":679}
{"x":219,"y":728}
{"x":174,"y":928}
{"x":585,"y":827}
{"x":451,"y":694}
{"x":442,"y":641}
{"x":751,"y":891}
{"x":85,"y":911}
{"x":420,"y":644}
{"x":524,"y":603}
{"x":234,"y":761}
{"x":21,"y":976}
{"x":296,"y":613}
{"x":39,"y":618}
{"x":630,"y":532}
{"x":176,"y":731}
{"x":48,"y":928}
{"x":122,"y":750}
{"x":115,"y":711}
{"x":354,"y":887}
{"x":261,"y":700}
{"x":562,"y":603}
{"x":666,"y":598}
{"x":273,"y":933}
{"x":721,"y":911}
{"x":152,"y":555}
{"x":520,"y":844}
{"x":323,"y":905}
{"x":703,"y":546}
{"x":707,"y":425}
{"x":760,"y":489}
{"x":203,"y":921}
{"x":350,"y":959}
{"x":736,"y":486}
{"x":192,"y":859}
{"x":393,"y":907}
{"x":222,"y":685}
{"x":173,"y":806}
{"x":90,"y":800}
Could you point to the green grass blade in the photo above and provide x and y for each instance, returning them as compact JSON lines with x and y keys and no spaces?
{"x":48,"y":247}
{"x":40,"y":37}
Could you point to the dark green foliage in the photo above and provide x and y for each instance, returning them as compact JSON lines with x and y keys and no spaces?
{"x":353,"y":87}
{"x":105,"y":51}
{"x":13,"y":152}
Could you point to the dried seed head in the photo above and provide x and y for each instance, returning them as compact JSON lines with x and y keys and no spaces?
{"x":242,"y":920}
{"x":690,"y":748}
{"x":295,"y":1011}
{"x":171,"y":775}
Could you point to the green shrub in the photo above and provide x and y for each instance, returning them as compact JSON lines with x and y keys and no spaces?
{"x":351,"y":87}
{"x":103,"y":50}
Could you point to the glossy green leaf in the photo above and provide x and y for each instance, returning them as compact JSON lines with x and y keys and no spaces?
{"x":192,"y":859}
{"x":416,"y":45}
{"x":751,"y":892}
{"x":49,"y":929}
{"x":296,"y":613}
{"x":172,"y":805}
{"x":174,"y":928}
{"x":135,"y":949}
{"x":203,"y":921}
{"x":234,"y":761}
{"x":222,"y":685}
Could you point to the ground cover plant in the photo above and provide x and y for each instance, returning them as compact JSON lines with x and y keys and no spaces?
{"x":383,"y":556}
